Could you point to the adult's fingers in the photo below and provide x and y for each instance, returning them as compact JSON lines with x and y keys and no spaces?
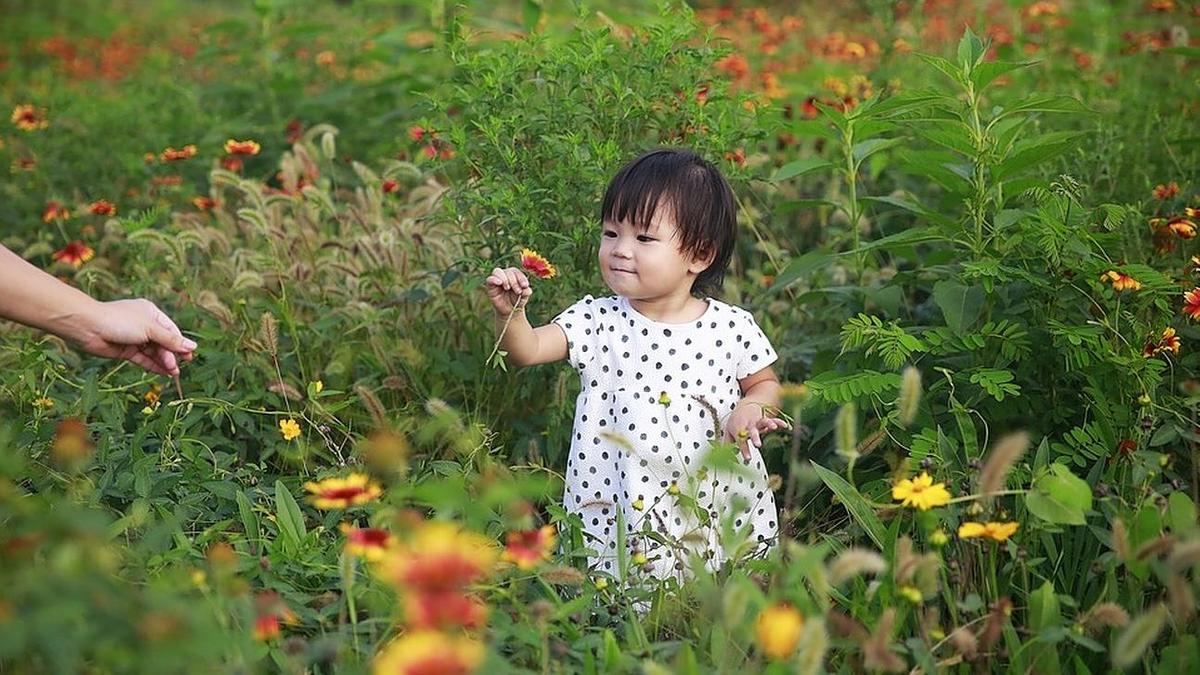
{"x":141,"y":359}
{"x":168,"y":335}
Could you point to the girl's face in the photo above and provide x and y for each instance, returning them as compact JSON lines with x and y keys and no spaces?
{"x":647,"y":265}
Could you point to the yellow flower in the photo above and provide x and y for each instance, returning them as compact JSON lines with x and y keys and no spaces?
{"x":340,"y":493}
{"x":938,"y":538}
{"x":601,"y":584}
{"x":996,"y":531}
{"x":318,"y":386}
{"x":639,"y":559}
{"x":921,"y":492}
{"x":368,"y":543}
{"x":43,"y":403}
{"x":674,"y":488}
{"x":289,"y":428}
{"x":911,"y":593}
{"x":638,"y":505}
{"x":664,"y":399}
{"x":426,"y":651}
{"x":439,"y":556}
{"x":778,"y":630}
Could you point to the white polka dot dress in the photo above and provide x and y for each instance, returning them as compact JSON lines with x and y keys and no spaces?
{"x":634,"y":455}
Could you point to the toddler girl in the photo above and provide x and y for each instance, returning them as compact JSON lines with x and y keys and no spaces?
{"x":665,"y":368}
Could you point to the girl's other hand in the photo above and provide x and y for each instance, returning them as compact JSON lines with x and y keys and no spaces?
{"x":750,"y":419}
{"x":506,"y":287}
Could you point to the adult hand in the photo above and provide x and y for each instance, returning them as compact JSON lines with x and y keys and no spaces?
{"x":137,"y":331}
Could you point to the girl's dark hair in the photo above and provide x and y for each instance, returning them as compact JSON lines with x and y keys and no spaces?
{"x":696,"y":194}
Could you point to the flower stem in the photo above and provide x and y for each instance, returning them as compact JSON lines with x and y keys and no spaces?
{"x":500,"y":338}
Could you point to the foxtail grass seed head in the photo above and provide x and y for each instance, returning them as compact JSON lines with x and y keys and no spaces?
{"x":1139,"y":635}
{"x":853,"y":562}
{"x":268,"y":334}
{"x":910,"y":395}
{"x":1001,"y":460}
{"x":847,"y":431}
{"x":1120,"y":540}
{"x":1105,"y":615}
{"x":372,"y":404}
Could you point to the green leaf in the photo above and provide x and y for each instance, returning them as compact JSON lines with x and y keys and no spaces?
{"x":801,"y":267}
{"x":249,"y":518}
{"x":287,"y":513}
{"x":1059,"y":496}
{"x":947,"y":67}
{"x":984,"y":73}
{"x":1045,"y":617}
{"x":961,"y":305}
{"x":799,"y":168}
{"x":970,"y":49}
{"x":864,"y":149}
{"x":854,"y":502}
{"x":1181,"y":513}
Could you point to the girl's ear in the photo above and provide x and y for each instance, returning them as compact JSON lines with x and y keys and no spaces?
{"x":702,"y":263}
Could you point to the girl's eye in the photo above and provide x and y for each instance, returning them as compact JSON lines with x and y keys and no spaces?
{"x":609,"y":233}
{"x":645,"y":238}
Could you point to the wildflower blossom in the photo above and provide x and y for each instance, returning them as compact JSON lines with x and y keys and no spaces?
{"x":54,"y":211}
{"x":921,"y":492}
{"x":289,"y":428}
{"x":990,"y":530}
{"x":1182,"y":227}
{"x":173,"y":155}
{"x":421,"y":652}
{"x":28,"y":118}
{"x":340,"y":493}
{"x":443,"y":609}
{"x":75,"y":254}
{"x":102,"y":207}
{"x":534,"y":262}
{"x":1121,"y":281}
{"x":777,"y":630}
{"x":1168,"y":342}
{"x":1191,"y":303}
{"x":233,"y":147}
{"x":527,"y":549}
{"x":439,"y":556}
{"x":1166,"y":191}
{"x":368,"y":543}
{"x":204,"y":203}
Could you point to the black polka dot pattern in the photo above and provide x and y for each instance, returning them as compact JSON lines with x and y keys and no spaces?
{"x":634,"y":455}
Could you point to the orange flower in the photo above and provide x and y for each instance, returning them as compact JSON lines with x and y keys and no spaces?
{"x":71,"y":444}
{"x":1121,"y":281}
{"x":54,"y":211}
{"x":233,"y":147}
{"x":443,"y":609}
{"x":439,"y":556}
{"x":430,"y":151}
{"x":102,"y":207}
{"x":735,"y":65}
{"x":389,"y":186}
{"x":1191,"y":303}
{"x":425,"y":652}
{"x":1168,"y":342}
{"x":266,"y":627}
{"x":75,"y":254}
{"x":173,"y":155}
{"x":1182,"y":227}
{"x":737,"y":157}
{"x":534,"y":262}
{"x":416,"y":132}
{"x":368,"y":543}
{"x":1166,"y":191}
{"x":233,"y":164}
{"x":342,"y":493}
{"x":527,"y":549}
{"x":29,"y":118}
{"x":204,"y":203}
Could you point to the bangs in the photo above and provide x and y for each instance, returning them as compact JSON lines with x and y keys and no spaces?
{"x":692,"y":192}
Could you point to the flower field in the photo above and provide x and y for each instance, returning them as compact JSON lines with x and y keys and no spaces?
{"x":968,"y":228}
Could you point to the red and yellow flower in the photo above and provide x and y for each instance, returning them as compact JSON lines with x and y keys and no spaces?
{"x":368,"y":543}
{"x":425,"y":652}
{"x":1168,"y":342}
{"x":29,"y":118}
{"x":102,"y":207}
{"x":1182,"y":227}
{"x":534,"y":262}
{"x":74,"y":254}
{"x":204,"y":203}
{"x":355,"y":489}
{"x":54,"y":211}
{"x":443,"y":609}
{"x":1121,"y":281}
{"x":234,"y":147}
{"x":1166,"y":191}
{"x":173,"y":155}
{"x":1191,"y":303}
{"x":439,"y":556}
{"x":527,"y":549}
{"x":389,"y":186}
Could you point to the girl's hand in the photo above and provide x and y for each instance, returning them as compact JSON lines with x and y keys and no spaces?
{"x":506,"y":287}
{"x":751,"y":420}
